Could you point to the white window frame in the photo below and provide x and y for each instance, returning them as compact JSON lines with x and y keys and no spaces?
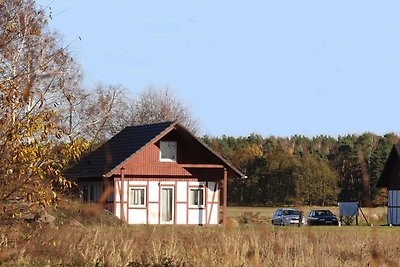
{"x":191,"y":192}
{"x":164,"y":145}
{"x":131,"y":197}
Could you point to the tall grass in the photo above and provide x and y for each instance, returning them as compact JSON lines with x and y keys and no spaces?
{"x":205,"y":246}
{"x":86,"y":236}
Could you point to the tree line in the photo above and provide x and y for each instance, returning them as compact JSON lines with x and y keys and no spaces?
{"x":299,"y":170}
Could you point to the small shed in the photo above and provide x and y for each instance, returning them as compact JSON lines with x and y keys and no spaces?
{"x":390,"y":179}
{"x":156,"y":174}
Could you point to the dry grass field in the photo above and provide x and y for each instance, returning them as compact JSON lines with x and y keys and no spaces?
{"x":106,"y":243}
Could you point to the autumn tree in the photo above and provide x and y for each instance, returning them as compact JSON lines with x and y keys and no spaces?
{"x":278,"y":177}
{"x":316,"y":181}
{"x":34,"y":70}
{"x":159,"y":105}
{"x":96,"y":115}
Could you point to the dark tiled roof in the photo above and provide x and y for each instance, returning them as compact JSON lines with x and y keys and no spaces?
{"x":394,"y":157}
{"x":116,"y":150}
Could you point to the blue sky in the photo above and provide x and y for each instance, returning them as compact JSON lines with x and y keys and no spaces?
{"x":270,"y":67}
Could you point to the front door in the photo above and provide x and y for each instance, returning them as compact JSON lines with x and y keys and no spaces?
{"x":167,"y":205}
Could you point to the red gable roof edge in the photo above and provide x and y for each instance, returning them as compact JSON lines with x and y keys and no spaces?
{"x":235,"y":170}
{"x":155,"y":139}
{"x":175,"y":125}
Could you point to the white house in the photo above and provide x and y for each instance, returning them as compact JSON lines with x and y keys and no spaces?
{"x":156,"y":174}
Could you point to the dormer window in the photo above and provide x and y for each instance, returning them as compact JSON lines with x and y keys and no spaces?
{"x":168,"y":151}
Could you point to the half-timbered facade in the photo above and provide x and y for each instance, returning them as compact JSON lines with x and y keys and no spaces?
{"x":390,"y":178}
{"x":156,"y":174}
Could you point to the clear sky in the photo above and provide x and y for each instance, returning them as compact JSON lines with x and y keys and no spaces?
{"x":269,"y":67}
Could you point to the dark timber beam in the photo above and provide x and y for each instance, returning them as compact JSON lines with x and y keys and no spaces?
{"x":225,"y":194}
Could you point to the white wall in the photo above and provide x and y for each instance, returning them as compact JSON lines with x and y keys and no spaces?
{"x":181,"y":192}
{"x":153,"y":192}
{"x":137,"y":216}
{"x":197,"y":183}
{"x":212,"y":213}
{"x":197,"y":216}
{"x":124,"y":189}
{"x":182,"y":215}
{"x":212,"y":202}
{"x":117,"y":211}
{"x":210,"y":192}
{"x":153,"y":213}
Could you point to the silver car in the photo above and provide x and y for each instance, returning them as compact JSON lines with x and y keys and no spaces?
{"x":286,"y":216}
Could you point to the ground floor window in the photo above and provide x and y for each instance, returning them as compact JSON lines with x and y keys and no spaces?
{"x":137,"y":197}
{"x":196,"y":197}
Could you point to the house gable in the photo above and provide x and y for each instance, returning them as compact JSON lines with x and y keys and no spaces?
{"x":390,"y":177}
{"x":194,"y":159}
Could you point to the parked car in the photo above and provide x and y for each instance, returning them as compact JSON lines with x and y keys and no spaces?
{"x":286,"y":217}
{"x":322,"y":217}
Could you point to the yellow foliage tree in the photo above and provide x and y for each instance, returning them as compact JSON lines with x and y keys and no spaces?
{"x":34,"y":73}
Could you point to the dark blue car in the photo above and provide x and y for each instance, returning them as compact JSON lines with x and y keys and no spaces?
{"x":322,"y":217}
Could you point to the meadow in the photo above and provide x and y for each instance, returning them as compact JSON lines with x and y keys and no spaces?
{"x":105,"y":242}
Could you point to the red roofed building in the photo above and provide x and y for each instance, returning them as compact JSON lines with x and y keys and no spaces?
{"x":156,"y":174}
